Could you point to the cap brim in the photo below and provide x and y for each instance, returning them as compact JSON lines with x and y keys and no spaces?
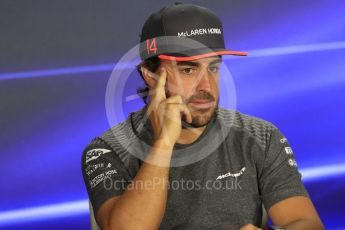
{"x":204,"y":55}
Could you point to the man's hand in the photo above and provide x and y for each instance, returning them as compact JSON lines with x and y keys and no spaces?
{"x":249,"y":227}
{"x":165,"y":113}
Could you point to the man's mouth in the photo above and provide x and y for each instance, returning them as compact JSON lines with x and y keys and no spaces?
{"x":202,"y":103}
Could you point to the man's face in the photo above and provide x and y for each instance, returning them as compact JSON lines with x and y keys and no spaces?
{"x":197,"y":82}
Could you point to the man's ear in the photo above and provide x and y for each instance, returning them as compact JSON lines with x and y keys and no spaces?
{"x":149,"y":77}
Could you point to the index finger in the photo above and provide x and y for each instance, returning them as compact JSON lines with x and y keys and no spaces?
{"x":160,"y":85}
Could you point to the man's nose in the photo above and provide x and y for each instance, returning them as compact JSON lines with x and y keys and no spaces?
{"x":203,"y":82}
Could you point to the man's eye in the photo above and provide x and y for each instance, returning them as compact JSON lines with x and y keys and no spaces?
{"x":213,"y":69}
{"x":188,"y":71}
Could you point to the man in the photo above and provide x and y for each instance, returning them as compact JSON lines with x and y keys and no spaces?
{"x":226,"y":164}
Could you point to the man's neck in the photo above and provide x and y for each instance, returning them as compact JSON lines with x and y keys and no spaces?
{"x":189,"y":135}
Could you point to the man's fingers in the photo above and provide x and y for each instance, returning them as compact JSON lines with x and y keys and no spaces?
{"x":177,"y":99}
{"x":184,"y":109}
{"x":171,"y":100}
{"x":172,"y":108}
{"x":160,"y":85}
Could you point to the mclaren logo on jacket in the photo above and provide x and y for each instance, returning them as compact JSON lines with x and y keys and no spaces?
{"x":232,"y":174}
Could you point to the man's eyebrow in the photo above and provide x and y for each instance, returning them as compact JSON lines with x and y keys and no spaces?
{"x":191,"y":63}
{"x":216,"y":61}
{"x":188,"y":63}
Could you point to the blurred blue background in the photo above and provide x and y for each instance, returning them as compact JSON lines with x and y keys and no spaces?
{"x":55,"y":61}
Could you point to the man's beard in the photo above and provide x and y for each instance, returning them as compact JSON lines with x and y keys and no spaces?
{"x":200,"y":116}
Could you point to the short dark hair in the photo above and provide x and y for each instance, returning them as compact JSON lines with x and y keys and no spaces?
{"x":152,"y":64}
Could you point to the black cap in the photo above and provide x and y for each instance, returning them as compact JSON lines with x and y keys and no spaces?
{"x":183,"y":32}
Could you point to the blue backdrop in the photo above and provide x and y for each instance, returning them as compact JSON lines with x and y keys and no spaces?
{"x":56,"y":59}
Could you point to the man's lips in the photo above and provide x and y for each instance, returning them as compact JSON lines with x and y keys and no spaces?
{"x":200,"y":103}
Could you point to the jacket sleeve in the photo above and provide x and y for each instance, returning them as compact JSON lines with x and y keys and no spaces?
{"x":104,"y":174}
{"x":280,"y":178}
